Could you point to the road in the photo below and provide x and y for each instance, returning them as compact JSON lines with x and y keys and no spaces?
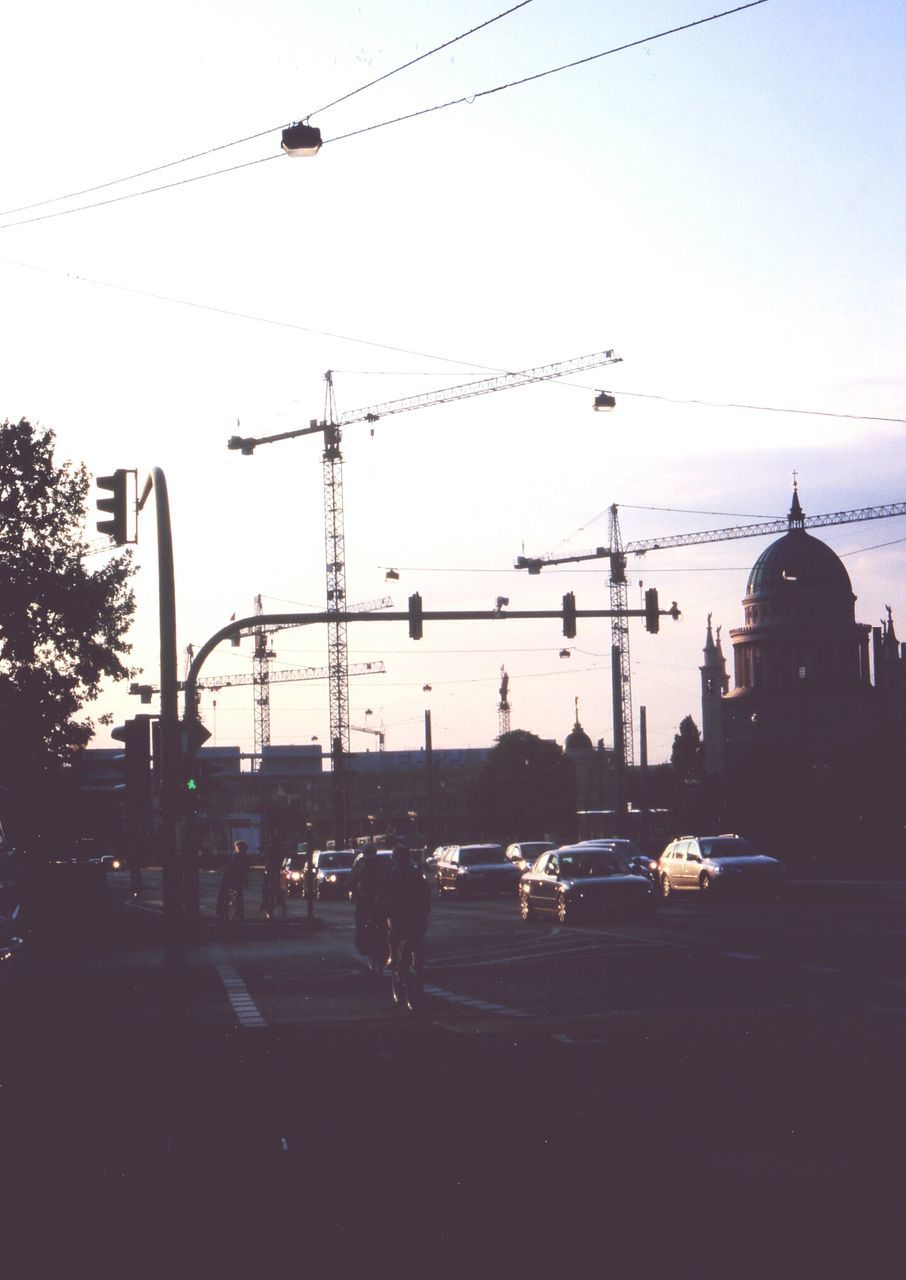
{"x":725,"y":1078}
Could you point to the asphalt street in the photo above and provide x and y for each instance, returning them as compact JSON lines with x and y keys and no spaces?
{"x":721,"y":1085}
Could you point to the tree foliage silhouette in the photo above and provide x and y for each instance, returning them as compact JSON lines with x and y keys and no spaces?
{"x":63,"y":626}
{"x":526,"y":790}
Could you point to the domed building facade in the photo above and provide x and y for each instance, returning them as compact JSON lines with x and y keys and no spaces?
{"x":802,"y":685}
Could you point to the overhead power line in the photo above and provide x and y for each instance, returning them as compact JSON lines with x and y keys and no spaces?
{"x":425,"y":355}
{"x":262,"y":133}
{"x":552,"y":71}
{"x":412,"y":115}
{"x":759,"y":408}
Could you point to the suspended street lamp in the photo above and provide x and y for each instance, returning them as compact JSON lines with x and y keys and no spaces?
{"x":301,"y":140}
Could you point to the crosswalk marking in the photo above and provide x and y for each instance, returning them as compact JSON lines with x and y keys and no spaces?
{"x":485,"y":1006}
{"x":247,"y":1013}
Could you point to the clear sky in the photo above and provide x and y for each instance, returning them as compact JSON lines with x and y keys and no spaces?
{"x":725,"y":207}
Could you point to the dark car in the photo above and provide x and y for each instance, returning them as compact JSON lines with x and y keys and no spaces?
{"x":723,"y":864}
{"x":292,"y":874}
{"x":631,"y":852}
{"x":476,"y":869}
{"x":331,"y":868}
{"x":584,"y":880}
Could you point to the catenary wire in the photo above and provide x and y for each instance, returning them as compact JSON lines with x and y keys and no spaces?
{"x":422,"y":355}
{"x":412,"y":115}
{"x":551,"y":71}
{"x":252,"y":137}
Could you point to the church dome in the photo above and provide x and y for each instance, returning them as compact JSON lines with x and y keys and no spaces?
{"x":578,"y":740}
{"x":796,"y":563}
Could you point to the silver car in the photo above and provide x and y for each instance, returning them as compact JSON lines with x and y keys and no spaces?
{"x":724,"y":863}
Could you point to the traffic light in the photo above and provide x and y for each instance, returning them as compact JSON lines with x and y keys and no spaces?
{"x":135,"y":765}
{"x":415,"y":617}
{"x":201,"y":782}
{"x":569,"y":615}
{"x":118,"y":506}
{"x":652,"y":616}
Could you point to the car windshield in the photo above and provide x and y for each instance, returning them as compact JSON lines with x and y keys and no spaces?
{"x":727,"y":848}
{"x":296,"y":862}
{"x":596,"y":862}
{"x":332,"y":861}
{"x":481,"y":856}
{"x":532,"y":848}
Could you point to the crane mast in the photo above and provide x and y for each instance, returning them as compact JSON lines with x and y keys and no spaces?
{"x":261,"y":681}
{"x":619,"y":649}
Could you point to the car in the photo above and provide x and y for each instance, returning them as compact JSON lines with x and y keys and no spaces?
{"x":586,"y":880}
{"x":472,"y":869}
{"x":331,"y":868}
{"x":725,"y":863}
{"x":429,"y":866}
{"x":292,"y":875}
{"x":631,"y":852}
{"x":525,"y":853}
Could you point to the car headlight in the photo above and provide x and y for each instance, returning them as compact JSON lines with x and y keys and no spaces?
{"x":295,"y":875}
{"x":331,"y":879}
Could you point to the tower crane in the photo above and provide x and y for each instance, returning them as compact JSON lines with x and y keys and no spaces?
{"x":291,"y":673}
{"x":617,"y":553}
{"x":330,"y":428}
{"x":379,"y":733}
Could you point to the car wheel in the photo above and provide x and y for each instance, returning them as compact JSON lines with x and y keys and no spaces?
{"x":666,"y":888}
{"x":526,"y":910}
{"x":705,"y":883}
{"x":563,"y":911}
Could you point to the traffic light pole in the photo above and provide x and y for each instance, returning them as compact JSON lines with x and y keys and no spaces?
{"x":174,"y":878}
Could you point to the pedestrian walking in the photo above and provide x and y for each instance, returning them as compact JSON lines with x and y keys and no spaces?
{"x":231,"y":897}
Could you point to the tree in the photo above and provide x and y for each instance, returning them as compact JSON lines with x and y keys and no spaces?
{"x":693,"y":795}
{"x":688,"y":755}
{"x":63,"y":626}
{"x":526,"y":790}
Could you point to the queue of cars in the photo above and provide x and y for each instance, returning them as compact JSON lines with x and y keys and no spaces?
{"x":330,"y":870}
{"x":606,"y":876}
{"x":603,"y":877}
